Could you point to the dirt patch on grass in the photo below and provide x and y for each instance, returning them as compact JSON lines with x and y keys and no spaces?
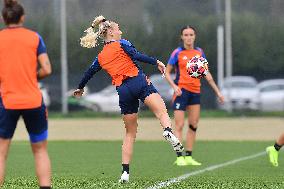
{"x":150,"y":129}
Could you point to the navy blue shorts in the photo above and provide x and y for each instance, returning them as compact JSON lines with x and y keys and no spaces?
{"x":35,"y":120}
{"x":187,"y":98}
{"x":132,"y":90}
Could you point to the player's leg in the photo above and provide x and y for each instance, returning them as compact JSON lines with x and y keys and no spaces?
{"x":4,"y":147}
{"x":8,"y":122}
{"x":193,"y":118}
{"x":280,"y":142}
{"x":274,"y":150}
{"x":129,"y":105}
{"x":158,"y":107}
{"x":179,"y":107}
{"x":37,"y":127}
{"x":130,"y":122}
{"x":42,"y":163}
{"x":179,"y":124}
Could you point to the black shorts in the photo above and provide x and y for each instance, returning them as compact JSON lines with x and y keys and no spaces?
{"x":35,"y":120}
{"x":131,"y":90}
{"x":187,"y":98}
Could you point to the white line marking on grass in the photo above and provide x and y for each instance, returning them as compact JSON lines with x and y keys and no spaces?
{"x":210,"y":168}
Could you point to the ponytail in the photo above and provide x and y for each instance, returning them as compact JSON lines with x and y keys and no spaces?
{"x":90,"y":39}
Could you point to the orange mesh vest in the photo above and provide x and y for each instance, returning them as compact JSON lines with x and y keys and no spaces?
{"x":185,"y":81}
{"x":18,"y":67}
{"x":117,"y":63}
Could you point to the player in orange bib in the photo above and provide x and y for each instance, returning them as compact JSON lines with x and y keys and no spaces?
{"x":20,"y":51}
{"x":119,"y":58}
{"x":187,"y":92}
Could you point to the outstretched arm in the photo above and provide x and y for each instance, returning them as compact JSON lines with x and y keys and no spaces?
{"x":94,"y":68}
{"x":136,"y":55}
{"x":213,"y":85}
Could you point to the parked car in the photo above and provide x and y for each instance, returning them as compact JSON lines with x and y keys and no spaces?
{"x":106,"y":100}
{"x":163,"y":87}
{"x":271,"y":95}
{"x":45,"y":95}
{"x":240,"y":93}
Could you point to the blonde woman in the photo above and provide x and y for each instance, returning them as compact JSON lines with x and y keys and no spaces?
{"x":119,"y":59}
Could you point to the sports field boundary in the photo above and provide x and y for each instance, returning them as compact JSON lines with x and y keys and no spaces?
{"x":149,"y":129}
{"x":210,"y":168}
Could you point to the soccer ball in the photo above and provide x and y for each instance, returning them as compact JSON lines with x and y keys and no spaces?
{"x":197,"y":67}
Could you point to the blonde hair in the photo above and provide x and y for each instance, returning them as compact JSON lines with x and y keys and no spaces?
{"x":97,"y":30}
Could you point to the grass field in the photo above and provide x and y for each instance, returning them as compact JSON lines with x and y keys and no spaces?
{"x":94,"y":164}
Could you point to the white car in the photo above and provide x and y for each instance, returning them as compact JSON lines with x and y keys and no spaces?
{"x":240,"y":93}
{"x":271,"y":95}
{"x":45,"y":95}
{"x":106,"y":100}
{"x":162,"y":86}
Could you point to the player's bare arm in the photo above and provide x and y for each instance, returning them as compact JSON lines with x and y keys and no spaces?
{"x":215,"y":88}
{"x":177,"y":90}
{"x":45,"y":66}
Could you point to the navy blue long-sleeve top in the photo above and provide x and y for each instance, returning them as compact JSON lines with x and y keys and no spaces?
{"x":129,"y":49}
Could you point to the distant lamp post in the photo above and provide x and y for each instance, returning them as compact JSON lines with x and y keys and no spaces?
{"x":64,"y":67}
